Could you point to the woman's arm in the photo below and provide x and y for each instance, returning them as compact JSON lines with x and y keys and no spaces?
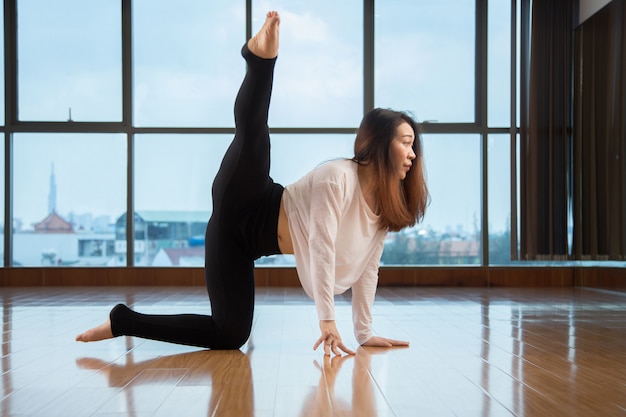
{"x":327,"y":205}
{"x":363,"y":295}
{"x":326,"y":209}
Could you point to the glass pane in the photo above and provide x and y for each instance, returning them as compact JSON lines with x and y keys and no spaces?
{"x":424,"y":58}
{"x":170,"y":223}
{"x":518,"y":61}
{"x":319,"y":74}
{"x":499,"y":153}
{"x":187,"y":62}
{"x":2,"y":208}
{"x":2,"y":66}
{"x":518,"y":190}
{"x":293,"y":156}
{"x":450,"y":232}
{"x":69,"y":192}
{"x":173,"y":179}
{"x":499,"y":55}
{"x":69,"y":60}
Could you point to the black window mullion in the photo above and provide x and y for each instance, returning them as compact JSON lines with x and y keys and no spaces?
{"x":10,"y":119}
{"x":248,"y":19}
{"x":481,"y":65}
{"x":513,"y":133}
{"x":127,"y":122}
{"x":368,"y":55}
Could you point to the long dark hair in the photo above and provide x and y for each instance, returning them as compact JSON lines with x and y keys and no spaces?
{"x":400,"y":203}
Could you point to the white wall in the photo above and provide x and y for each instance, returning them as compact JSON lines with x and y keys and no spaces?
{"x":589,"y":7}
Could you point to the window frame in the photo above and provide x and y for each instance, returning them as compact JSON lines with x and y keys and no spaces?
{"x":126,"y":126}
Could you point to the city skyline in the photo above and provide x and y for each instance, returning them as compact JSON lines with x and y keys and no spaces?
{"x":83,"y":219}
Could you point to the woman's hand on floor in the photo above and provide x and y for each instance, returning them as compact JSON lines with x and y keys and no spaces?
{"x":331,"y":339}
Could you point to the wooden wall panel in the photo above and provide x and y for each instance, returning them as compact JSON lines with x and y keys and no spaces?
{"x":16,"y":277}
{"x":434,"y":276}
{"x":287,"y":277}
{"x":531,"y":276}
{"x":607,"y":278}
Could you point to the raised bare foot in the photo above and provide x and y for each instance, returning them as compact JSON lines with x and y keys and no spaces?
{"x":100,"y":332}
{"x":265,"y":43}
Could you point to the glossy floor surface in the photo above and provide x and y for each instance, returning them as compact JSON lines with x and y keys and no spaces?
{"x":473,"y":352}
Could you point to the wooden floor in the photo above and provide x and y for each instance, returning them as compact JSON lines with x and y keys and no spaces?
{"x":474,"y":352}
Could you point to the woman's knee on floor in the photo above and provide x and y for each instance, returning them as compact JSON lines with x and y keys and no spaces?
{"x":233,"y":334}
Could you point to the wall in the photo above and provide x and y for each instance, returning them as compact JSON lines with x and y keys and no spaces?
{"x":588,"y":8}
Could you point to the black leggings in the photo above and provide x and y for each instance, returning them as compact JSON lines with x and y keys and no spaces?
{"x":242,"y":228}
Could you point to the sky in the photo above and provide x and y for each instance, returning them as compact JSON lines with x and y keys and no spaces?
{"x":187,"y":70}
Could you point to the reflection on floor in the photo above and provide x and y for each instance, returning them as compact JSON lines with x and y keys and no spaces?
{"x":474,"y":352}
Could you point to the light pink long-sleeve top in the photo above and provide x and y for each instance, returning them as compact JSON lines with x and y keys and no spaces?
{"x":337,"y":241}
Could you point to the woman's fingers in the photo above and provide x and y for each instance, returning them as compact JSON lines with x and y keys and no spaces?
{"x":319,"y":341}
{"x":331,"y":344}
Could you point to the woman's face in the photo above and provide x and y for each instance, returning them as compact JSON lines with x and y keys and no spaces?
{"x":402,"y":154}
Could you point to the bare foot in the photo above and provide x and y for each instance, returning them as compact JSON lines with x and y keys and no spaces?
{"x":265,"y":43}
{"x":100,"y":332}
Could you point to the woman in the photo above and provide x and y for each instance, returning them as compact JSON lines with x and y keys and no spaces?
{"x":333,"y":220}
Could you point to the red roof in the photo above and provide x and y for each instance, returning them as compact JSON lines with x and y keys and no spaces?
{"x":53,"y":224}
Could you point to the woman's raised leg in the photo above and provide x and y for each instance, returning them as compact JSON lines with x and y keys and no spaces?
{"x":229,"y":274}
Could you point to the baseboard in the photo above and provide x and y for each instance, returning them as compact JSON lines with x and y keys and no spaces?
{"x":531,"y":276}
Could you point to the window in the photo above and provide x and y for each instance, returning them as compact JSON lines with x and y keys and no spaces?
{"x":67,"y":188}
{"x":499,"y":227}
{"x":173,"y":178}
{"x":2,"y":90}
{"x":70,"y":65}
{"x":71,"y":146}
{"x":319,"y":73}
{"x":3,"y":193}
{"x":450,"y":232}
{"x":499,"y":65}
{"x":295,"y":155}
{"x":424,"y":58}
{"x":186,"y":61}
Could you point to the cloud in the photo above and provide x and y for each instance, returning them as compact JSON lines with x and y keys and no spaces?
{"x":304,"y":29}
